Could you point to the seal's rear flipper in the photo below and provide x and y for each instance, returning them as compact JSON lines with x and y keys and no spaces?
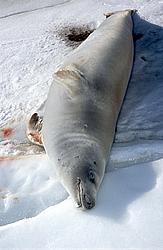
{"x":34,"y":129}
{"x":112,"y":13}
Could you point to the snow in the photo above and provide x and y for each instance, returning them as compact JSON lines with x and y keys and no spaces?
{"x":35,"y":210}
{"x":24,"y":193}
{"x":31,"y":50}
{"x":128,"y":213}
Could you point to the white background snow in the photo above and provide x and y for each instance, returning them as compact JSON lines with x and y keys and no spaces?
{"x":35,"y":210}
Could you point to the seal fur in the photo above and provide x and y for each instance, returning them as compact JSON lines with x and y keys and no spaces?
{"x":83,"y":104}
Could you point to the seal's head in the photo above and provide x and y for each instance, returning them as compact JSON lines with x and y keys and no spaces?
{"x":83,"y":179}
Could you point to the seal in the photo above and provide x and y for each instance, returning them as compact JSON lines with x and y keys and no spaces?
{"x":83,"y":104}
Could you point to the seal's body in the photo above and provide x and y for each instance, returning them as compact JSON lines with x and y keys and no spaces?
{"x":83,"y":105}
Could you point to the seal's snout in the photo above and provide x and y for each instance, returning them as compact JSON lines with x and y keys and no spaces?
{"x":87,"y":202}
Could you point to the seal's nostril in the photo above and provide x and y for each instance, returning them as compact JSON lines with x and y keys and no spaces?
{"x":87,"y":199}
{"x":88,"y":203}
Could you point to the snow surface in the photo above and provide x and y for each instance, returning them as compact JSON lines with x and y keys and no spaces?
{"x":129,"y":208}
{"x":30,"y":49}
{"x":128,"y":213}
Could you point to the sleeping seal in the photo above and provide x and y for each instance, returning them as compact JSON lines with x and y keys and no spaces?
{"x":83,"y":104}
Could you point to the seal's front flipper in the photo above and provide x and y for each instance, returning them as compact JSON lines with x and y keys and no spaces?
{"x":34,"y":129}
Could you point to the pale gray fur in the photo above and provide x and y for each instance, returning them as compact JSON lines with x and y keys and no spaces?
{"x":83,"y":105}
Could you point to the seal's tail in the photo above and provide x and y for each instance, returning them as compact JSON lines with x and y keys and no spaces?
{"x":132,"y":12}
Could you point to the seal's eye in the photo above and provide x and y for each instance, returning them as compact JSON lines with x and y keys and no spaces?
{"x":91,"y":176}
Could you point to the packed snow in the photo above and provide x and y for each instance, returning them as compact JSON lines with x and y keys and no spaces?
{"x":31,"y":50}
{"x":128,"y":213}
{"x":35,"y":210}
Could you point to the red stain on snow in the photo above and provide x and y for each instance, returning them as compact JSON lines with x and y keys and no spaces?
{"x":7,"y":158}
{"x":7,"y":132}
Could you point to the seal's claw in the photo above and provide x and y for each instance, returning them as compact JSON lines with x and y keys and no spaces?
{"x":35,"y":122}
